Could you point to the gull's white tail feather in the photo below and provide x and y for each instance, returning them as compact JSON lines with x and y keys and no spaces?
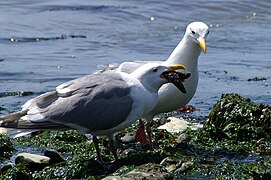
{"x":15,"y":133}
{"x":11,"y":120}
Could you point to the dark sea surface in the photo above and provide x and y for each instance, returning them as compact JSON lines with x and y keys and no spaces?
{"x":45,"y":43}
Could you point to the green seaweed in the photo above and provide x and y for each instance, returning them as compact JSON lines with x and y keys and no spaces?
{"x":241,"y":119}
{"x":6,"y":147}
{"x":234,"y":144}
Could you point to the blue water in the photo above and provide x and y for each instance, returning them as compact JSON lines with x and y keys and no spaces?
{"x":45,"y":43}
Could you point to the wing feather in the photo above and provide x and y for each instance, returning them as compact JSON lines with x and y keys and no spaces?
{"x":96,"y":102}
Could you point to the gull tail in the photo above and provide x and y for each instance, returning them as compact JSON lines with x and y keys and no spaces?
{"x":14,"y":126}
{"x":9,"y":123}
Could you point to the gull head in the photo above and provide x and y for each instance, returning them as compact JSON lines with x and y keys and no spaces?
{"x":198,"y":32}
{"x":154,"y":75}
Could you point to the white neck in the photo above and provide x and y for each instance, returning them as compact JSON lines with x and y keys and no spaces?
{"x":186,"y":53}
{"x":155,"y":84}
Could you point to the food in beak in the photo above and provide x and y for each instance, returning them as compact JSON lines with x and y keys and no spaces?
{"x":177,"y":78}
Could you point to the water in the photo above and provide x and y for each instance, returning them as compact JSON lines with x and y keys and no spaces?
{"x":45,"y":43}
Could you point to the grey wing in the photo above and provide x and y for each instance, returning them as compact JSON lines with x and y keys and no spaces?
{"x":95,"y":102}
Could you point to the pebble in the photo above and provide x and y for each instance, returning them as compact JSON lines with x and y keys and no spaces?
{"x":128,"y":139}
{"x":175,"y":125}
{"x":32,"y":161}
{"x":6,"y":167}
{"x":185,"y":166}
{"x":183,"y":138}
{"x":54,"y":156}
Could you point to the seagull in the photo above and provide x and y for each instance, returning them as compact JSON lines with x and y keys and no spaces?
{"x":97,"y":104}
{"x":170,"y":98}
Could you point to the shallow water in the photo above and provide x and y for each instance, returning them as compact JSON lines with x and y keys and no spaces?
{"x":45,"y":43}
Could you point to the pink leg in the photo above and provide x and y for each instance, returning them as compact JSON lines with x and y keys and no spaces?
{"x":140,"y":134}
{"x":149,"y":133}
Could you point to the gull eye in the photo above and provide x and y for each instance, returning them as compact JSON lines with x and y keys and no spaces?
{"x":154,"y":69}
{"x":207,"y":32}
{"x":193,"y":32}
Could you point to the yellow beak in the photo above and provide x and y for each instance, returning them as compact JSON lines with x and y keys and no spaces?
{"x":202,"y":44}
{"x":176,"y":67}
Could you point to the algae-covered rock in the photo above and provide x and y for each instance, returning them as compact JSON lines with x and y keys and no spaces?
{"x":20,"y":93}
{"x":5,"y":168}
{"x":17,"y":172}
{"x":6,"y":146}
{"x":241,"y":119}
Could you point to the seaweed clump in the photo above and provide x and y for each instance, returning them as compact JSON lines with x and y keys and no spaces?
{"x":240,"y":119}
{"x":6,"y":147}
{"x":234,"y":143}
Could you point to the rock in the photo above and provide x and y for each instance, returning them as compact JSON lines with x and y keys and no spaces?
{"x":185,"y":166}
{"x":20,"y":93}
{"x":117,"y":178}
{"x":32,"y":161}
{"x":175,"y":125}
{"x":168,"y":161}
{"x":257,"y":79}
{"x":196,"y":126}
{"x":171,"y":168}
{"x":5,"y":168}
{"x":183,"y":138}
{"x":169,"y":164}
{"x":2,"y":108}
{"x":178,"y":125}
{"x":54,"y":156}
{"x":127,"y":139}
{"x":240,"y":119}
{"x":3,"y":131}
{"x":148,"y":171}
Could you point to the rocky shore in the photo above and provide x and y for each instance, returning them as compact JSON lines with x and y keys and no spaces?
{"x":233,"y":142}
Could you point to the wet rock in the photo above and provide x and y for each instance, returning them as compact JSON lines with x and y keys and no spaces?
{"x":196,"y":126}
{"x":3,"y":131}
{"x":178,"y":125}
{"x":257,"y":79}
{"x":175,"y":125}
{"x":185,"y":166}
{"x":20,"y":93}
{"x":183,"y":138}
{"x":54,"y":156}
{"x":38,"y":39}
{"x":128,"y":139}
{"x":32,"y":161}
{"x":117,"y":178}
{"x":5,"y":168}
{"x":148,"y":171}
{"x":240,"y":119}
{"x":2,"y":108}
{"x":169,"y":164}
